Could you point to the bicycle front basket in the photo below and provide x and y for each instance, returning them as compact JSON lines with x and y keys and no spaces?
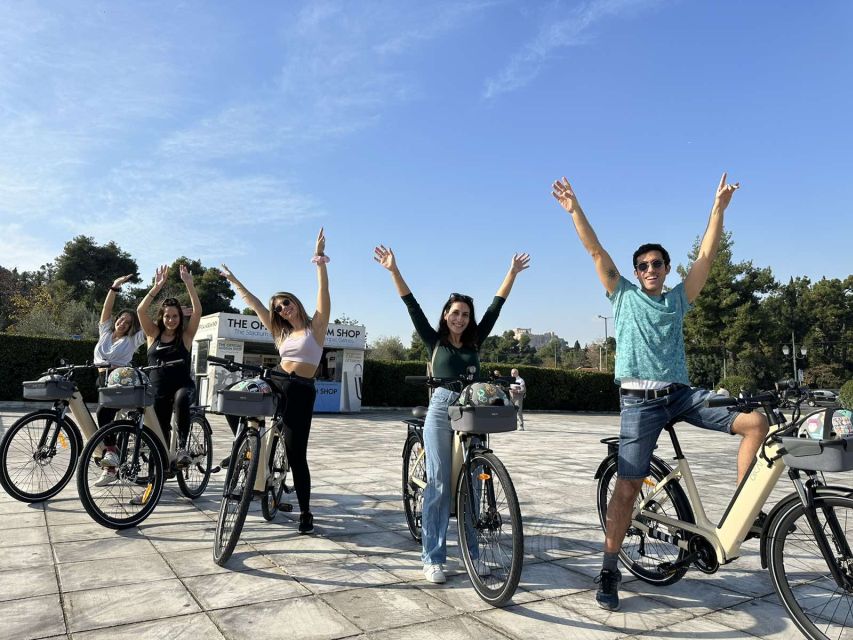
{"x":831,"y":455}
{"x":496,"y":419}
{"x":245,"y":403}
{"x":127,"y":397}
{"x":54,"y":388}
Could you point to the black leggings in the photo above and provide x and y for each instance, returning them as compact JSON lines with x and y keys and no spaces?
{"x":298,"y":410}
{"x":180,"y":403}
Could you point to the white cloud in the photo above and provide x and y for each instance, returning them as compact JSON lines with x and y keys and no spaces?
{"x":19,"y":249}
{"x":555,"y":35}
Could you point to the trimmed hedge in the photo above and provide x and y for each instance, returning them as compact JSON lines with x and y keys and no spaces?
{"x":553,"y":389}
{"x":26,"y":358}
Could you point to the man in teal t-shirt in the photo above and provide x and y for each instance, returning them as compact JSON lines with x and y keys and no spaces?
{"x":651,"y":367}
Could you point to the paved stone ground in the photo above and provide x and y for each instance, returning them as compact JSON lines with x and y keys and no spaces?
{"x":359,"y":575}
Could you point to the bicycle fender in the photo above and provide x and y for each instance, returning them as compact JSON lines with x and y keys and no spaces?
{"x":832,"y":490}
{"x":604,"y":464}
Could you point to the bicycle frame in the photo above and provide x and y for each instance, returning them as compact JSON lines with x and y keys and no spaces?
{"x":744,"y":506}
{"x":461,"y":451}
{"x":265,"y":435}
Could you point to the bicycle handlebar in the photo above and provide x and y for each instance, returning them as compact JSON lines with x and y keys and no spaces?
{"x":755,"y":401}
{"x":432,"y":381}
{"x":239,"y":366}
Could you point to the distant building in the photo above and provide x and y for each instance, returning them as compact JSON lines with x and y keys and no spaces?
{"x":537,"y":340}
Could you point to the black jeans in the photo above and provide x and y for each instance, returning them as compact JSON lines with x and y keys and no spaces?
{"x":297,"y":408}
{"x":179,"y":403}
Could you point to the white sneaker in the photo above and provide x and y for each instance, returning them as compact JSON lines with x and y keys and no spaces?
{"x":434,"y":574}
{"x":107,"y":477}
{"x":110,"y":459}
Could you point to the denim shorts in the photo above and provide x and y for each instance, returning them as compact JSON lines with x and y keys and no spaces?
{"x":642,"y":421}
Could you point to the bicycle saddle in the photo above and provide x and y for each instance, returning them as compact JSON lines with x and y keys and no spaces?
{"x":419,"y":412}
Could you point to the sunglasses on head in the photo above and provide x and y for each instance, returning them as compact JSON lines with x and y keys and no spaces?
{"x":285,"y":302}
{"x":644,"y":266}
{"x":461,"y":296}
{"x":171,"y":302}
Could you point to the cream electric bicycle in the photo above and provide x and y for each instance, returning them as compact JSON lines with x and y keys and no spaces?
{"x":805,"y":540}
{"x":39,"y":451}
{"x":491,"y":536}
{"x":146,"y":460}
{"x":258,"y":463}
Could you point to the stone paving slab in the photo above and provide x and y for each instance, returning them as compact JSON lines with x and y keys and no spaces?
{"x":359,"y":575}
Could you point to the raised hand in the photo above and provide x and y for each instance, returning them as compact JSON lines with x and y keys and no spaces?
{"x":121,"y":280}
{"x":725,"y":193}
{"x":565,"y":195}
{"x":226,"y":273}
{"x":160,"y":276}
{"x":320,"y":248}
{"x":520,"y":262}
{"x":385,"y":257}
{"x":186,"y":275}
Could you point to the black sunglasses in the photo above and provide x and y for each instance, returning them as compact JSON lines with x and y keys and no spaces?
{"x":644,"y":266}
{"x":461,"y":296}
{"x":285,"y":302}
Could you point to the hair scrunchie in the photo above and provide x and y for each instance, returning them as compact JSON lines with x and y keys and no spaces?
{"x":319,"y":259}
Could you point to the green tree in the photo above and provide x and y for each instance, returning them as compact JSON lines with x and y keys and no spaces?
{"x":89,"y":269}
{"x":387,"y":348}
{"x":728,"y":318}
{"x":417,"y":349}
{"x":214,"y":290}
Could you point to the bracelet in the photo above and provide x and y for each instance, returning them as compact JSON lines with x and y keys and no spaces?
{"x":116,"y":289}
{"x":318,"y":259}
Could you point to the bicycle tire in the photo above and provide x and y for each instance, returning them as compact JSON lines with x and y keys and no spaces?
{"x":278,"y":466}
{"x":194,"y":478}
{"x":236,"y":494}
{"x":495,"y":572}
{"x":115,"y":505}
{"x":819,"y":607}
{"x":30,"y":474}
{"x":414,"y":466}
{"x":642,"y":555}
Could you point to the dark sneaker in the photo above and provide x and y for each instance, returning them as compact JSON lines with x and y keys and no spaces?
{"x":607,"y":595}
{"x":306,"y":522}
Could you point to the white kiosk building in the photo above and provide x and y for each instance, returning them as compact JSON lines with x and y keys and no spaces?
{"x":245,"y":339}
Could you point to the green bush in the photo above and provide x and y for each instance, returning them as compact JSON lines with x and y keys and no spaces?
{"x":547,"y":389}
{"x":27,"y":357}
{"x":846,"y":395}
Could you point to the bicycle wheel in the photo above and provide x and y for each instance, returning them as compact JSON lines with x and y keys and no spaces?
{"x":414,"y":483}
{"x":237,"y":494}
{"x":491,"y":536}
{"x":30,"y":471}
{"x":127,"y":496}
{"x":278,"y":466}
{"x":818,"y":604}
{"x":644,"y":556}
{"x":194,"y":478}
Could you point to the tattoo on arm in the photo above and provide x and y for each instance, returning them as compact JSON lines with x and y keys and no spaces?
{"x":612,"y":274}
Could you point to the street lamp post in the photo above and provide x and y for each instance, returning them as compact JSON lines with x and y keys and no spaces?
{"x":792,"y":351}
{"x":606,"y":361}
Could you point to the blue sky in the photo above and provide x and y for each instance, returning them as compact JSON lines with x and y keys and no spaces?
{"x":231,"y":132}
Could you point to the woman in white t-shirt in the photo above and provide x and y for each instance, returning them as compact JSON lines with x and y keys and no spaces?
{"x":117,"y":343}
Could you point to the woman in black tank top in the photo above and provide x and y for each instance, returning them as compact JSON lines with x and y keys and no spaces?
{"x":170,"y":338}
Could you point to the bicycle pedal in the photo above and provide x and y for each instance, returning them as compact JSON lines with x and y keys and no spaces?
{"x":285,"y":506}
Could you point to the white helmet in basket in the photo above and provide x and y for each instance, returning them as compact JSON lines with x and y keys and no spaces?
{"x":126,"y":377}
{"x":814,"y":425}
{"x":484,"y":394}
{"x":252,"y":385}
